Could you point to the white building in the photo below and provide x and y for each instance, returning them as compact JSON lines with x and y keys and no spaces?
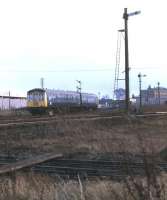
{"x":10,"y":102}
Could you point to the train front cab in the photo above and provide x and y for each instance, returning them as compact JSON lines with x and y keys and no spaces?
{"x":36,"y":101}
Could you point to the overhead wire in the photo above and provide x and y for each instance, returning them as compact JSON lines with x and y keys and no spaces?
{"x":81,"y":70}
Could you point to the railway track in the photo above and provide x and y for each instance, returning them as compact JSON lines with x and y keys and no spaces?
{"x":96,"y":168}
{"x":115,"y":169}
{"x":47,"y":120}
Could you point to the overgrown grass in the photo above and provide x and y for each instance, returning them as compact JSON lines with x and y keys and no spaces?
{"x":99,"y":136}
{"x":35,"y":187}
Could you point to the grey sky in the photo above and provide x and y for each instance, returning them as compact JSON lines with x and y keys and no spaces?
{"x":74,"y":39}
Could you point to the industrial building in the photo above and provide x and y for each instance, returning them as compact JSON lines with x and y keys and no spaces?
{"x":152,"y":96}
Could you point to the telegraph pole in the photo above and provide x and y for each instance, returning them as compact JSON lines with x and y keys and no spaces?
{"x":139,"y":76}
{"x":140,"y":81}
{"x":126,"y":15}
{"x":79,"y":89}
{"x":159,"y":101}
{"x":9,"y":99}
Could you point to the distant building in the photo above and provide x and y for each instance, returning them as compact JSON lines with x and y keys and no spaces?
{"x":110,"y":103}
{"x":11,"y":102}
{"x":151,"y":96}
{"x":120,"y":94}
{"x":105,"y":103}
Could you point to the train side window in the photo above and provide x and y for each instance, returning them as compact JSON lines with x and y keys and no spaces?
{"x":34,"y":96}
{"x":30,"y":97}
{"x":38,"y":97}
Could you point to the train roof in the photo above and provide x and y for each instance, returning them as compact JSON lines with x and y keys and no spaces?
{"x":36,"y":89}
{"x":12,"y":97}
{"x":68,"y":91}
{"x":58,"y":91}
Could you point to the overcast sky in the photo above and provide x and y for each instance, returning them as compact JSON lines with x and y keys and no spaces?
{"x":68,"y":40}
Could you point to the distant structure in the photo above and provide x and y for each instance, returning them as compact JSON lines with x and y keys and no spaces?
{"x":11,"y":102}
{"x":152,"y":96}
{"x":105,"y":102}
{"x":42,"y":83}
{"x":120,"y":94}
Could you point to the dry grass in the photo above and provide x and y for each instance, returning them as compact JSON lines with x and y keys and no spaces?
{"x":9,"y":114}
{"x":100,"y":136}
{"x":91,"y":136}
{"x":155,"y":108}
{"x":35,"y":187}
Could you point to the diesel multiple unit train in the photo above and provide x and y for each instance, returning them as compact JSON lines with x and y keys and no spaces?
{"x":39,"y":100}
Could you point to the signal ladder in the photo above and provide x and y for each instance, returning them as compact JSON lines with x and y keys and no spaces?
{"x":117,"y":68}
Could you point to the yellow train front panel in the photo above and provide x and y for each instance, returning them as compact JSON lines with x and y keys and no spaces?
{"x":41,"y":103}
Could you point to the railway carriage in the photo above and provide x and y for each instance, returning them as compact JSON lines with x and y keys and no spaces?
{"x":39,"y":100}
